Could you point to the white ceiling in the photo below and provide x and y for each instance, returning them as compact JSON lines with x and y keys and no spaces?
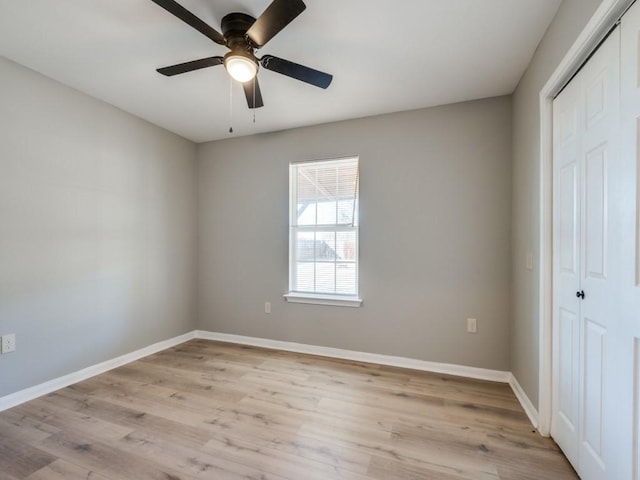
{"x":385,"y":56}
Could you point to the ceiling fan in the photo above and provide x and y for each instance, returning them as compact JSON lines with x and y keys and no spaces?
{"x":243,"y":35}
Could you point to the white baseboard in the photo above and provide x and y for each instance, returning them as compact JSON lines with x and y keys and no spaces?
{"x":36,"y":391}
{"x":522,"y":397}
{"x":402,"y":362}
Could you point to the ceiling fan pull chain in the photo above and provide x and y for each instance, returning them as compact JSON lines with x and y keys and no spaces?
{"x":254,"y":99}
{"x":230,"y":105}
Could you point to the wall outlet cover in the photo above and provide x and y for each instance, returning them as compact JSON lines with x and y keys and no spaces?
{"x":529,"y":261}
{"x":8,"y":343}
{"x":472,"y":325}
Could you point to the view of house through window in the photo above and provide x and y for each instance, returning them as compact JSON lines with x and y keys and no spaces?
{"x":323,"y":246}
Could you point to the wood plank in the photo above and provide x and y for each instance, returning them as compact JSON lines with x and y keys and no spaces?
{"x":23,"y":428}
{"x":339,"y":457}
{"x":387,"y":468}
{"x":283,"y":461}
{"x":48,"y":413}
{"x":427,"y":455}
{"x":6,"y":476}
{"x":111,"y":462}
{"x":63,"y":470}
{"x":136,"y":419}
{"x":20,"y":459}
{"x":193,"y":461}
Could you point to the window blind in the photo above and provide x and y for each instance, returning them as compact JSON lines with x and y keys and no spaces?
{"x":324,"y":227}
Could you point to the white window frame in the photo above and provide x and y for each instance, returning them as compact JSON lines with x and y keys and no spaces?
{"x":334,"y":299}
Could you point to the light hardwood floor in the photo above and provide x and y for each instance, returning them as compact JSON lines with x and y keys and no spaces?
{"x":212,"y":410}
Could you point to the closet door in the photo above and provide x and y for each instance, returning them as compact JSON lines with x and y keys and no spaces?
{"x":600,"y":252}
{"x":567,"y":113}
{"x":586,"y":121}
{"x":626,"y":224}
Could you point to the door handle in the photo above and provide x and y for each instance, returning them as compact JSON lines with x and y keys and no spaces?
{"x":580,"y":294}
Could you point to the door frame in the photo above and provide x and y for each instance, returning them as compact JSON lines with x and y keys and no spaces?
{"x":601,"y":22}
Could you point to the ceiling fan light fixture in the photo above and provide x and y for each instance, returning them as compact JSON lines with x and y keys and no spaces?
{"x":241,"y":66}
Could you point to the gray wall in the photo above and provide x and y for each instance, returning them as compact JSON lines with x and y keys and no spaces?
{"x":97,"y":230}
{"x":435,"y":234}
{"x":571,"y":18}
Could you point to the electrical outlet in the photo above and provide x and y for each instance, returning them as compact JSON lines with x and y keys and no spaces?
{"x":267,"y":307}
{"x":529,"y":261}
{"x":472,"y":325}
{"x":8,"y":343}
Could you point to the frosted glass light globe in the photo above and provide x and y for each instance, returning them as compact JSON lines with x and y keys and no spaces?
{"x":241,"y":68}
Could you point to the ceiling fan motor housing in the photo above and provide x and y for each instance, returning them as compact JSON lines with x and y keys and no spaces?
{"x":234,"y":28}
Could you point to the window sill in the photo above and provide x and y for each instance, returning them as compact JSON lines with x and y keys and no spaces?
{"x":336,"y":301}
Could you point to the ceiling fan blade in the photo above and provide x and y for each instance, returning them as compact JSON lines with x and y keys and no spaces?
{"x":277,"y":16}
{"x":248,"y":92}
{"x":190,"y":19}
{"x":190,"y":66}
{"x":294,"y":70}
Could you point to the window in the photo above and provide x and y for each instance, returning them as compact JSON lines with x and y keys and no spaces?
{"x":323,"y":222}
